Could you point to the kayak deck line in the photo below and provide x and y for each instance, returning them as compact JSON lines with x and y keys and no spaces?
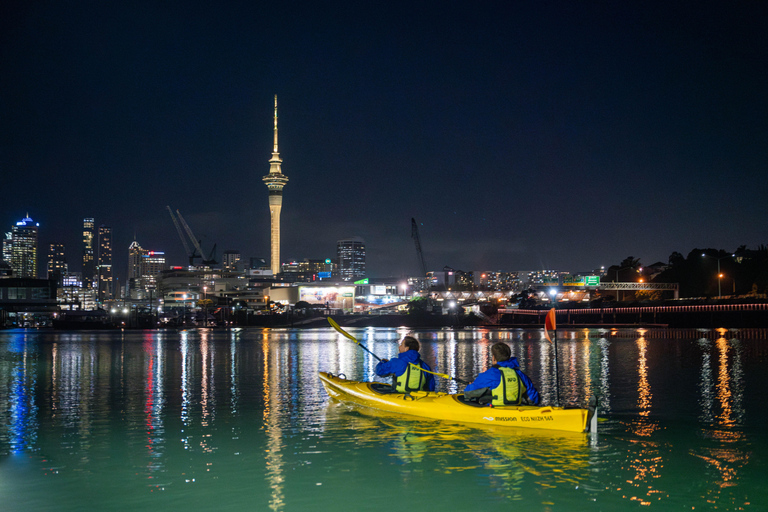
{"x":452,"y":407}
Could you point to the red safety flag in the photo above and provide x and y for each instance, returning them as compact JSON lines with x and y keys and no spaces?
{"x":549,"y":323}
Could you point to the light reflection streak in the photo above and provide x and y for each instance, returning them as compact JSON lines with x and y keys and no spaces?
{"x":271,"y":399}
{"x":724,"y":384}
{"x":724,"y":453}
{"x":154,"y":402}
{"x":449,"y":362}
{"x":586,"y":382}
{"x":706,"y":383}
{"x":207,"y":382}
{"x":186,"y":357}
{"x":23,"y":423}
{"x":646,"y":461}
{"x":234,"y":392}
{"x":546,"y":387}
{"x":604,"y":396}
{"x":643,"y":386}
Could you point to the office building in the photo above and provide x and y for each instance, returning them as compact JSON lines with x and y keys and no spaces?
{"x":275,"y":182}
{"x":351,"y":256}
{"x":20,"y":248}
{"x":144,"y":267}
{"x":57,"y":263}
{"x":89,"y":263}
{"x":104,"y":283}
{"x":231,"y":260}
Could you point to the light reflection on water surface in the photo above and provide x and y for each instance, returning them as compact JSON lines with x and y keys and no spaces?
{"x":237,"y":420}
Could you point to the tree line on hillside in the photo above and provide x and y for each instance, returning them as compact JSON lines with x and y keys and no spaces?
{"x":743,"y":272}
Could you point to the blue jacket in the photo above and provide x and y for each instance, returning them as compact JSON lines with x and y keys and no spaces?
{"x":399,"y":364}
{"x":491,"y":378}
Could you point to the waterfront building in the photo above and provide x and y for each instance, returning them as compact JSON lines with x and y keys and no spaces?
{"x":275,"y":182}
{"x":351,"y":257}
{"x":20,"y":248}
{"x":27,"y":302}
{"x":104,"y":283}
{"x":57,"y":263}
{"x":336,"y":298}
{"x":89,"y":264}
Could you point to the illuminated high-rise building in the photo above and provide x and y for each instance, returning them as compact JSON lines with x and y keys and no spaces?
{"x":143,"y":268}
{"x":135,"y":253}
{"x":57,"y":263}
{"x":104,"y":267}
{"x":20,"y":248}
{"x":7,"y":247}
{"x":351,"y":255}
{"x":89,"y":264}
{"x":275,"y":181}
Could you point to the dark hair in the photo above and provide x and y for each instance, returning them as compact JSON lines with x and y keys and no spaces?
{"x":501,"y":351}
{"x":411,"y":342}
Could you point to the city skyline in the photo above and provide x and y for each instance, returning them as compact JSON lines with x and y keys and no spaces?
{"x":518,"y":136}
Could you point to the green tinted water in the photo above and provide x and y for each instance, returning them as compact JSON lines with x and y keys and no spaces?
{"x":238,"y":420}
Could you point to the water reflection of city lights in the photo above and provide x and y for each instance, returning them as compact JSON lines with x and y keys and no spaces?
{"x":643,"y":386}
{"x":604,"y":392}
{"x":271,"y":399}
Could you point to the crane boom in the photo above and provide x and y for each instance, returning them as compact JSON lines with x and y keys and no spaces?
{"x":415,"y":236}
{"x":189,"y":253}
{"x":195,"y":242}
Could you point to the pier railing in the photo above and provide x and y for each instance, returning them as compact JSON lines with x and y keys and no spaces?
{"x":704,"y":315}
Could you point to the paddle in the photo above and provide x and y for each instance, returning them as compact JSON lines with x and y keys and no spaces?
{"x":443,"y":375}
{"x":347,"y":335}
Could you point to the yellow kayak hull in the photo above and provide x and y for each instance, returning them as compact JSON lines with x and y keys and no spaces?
{"x":444,"y":406}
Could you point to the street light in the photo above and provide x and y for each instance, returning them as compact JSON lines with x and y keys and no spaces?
{"x":553,"y":293}
{"x":719,"y":275}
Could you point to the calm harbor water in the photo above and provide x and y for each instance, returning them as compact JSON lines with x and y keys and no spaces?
{"x":238,"y":420}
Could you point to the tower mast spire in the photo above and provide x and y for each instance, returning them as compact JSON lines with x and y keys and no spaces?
{"x":275,"y":182}
{"x":275,"y":149}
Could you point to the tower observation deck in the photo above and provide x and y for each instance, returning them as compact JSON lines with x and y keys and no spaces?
{"x":275,"y":181}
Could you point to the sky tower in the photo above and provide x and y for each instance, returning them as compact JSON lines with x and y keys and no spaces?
{"x":275,"y":181}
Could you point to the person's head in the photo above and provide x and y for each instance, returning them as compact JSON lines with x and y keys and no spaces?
{"x":501,"y":351}
{"x":409,"y":343}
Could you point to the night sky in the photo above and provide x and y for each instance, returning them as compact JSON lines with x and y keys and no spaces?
{"x":520,"y":135}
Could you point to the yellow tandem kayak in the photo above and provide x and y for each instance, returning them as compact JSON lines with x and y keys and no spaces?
{"x":444,"y":406}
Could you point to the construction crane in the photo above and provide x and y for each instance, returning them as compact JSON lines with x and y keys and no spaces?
{"x":190,"y":254}
{"x":197,"y":252}
{"x":417,"y":241}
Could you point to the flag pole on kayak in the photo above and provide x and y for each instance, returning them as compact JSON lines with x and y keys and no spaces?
{"x":347,"y":335}
{"x":551,"y":324}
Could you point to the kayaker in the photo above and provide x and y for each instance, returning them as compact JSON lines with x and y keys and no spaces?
{"x":515,"y":388}
{"x":406,"y":376}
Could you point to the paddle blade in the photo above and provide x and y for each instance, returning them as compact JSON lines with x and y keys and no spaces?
{"x":342,"y":331}
{"x":549,"y":323}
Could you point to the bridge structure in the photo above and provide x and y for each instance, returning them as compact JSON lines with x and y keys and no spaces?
{"x":617,"y":286}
